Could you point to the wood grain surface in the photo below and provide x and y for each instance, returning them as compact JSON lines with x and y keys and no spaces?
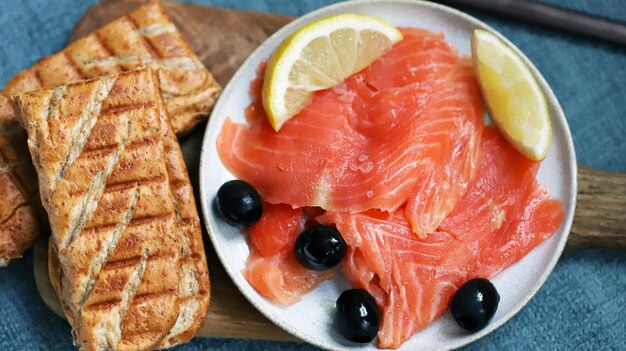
{"x":223,"y":39}
{"x":600,"y":217}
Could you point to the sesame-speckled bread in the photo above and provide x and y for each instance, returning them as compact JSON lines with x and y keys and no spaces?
{"x":127,"y":258}
{"x":145,"y":37}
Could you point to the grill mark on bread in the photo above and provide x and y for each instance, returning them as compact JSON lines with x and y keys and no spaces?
{"x":105,"y":47}
{"x":73,"y":65}
{"x":104,"y":305}
{"x":123,"y":263}
{"x":97,"y":229}
{"x":138,"y":143}
{"x":99,"y":151}
{"x":127,"y":184}
{"x":103,"y":150}
{"x":137,"y":221}
{"x":139,"y":298}
{"x":82,"y":130}
{"x":123,"y":185}
{"x":88,"y":204}
{"x":131,"y":296}
{"x":156,"y":179}
{"x":101,"y":257}
{"x":146,"y":43}
{"x":133,"y":261}
{"x":118,"y":109}
{"x":109,"y":332}
{"x":148,"y":219}
{"x":37,"y":75}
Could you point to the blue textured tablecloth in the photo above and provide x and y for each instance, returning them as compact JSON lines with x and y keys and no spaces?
{"x":582,"y":305}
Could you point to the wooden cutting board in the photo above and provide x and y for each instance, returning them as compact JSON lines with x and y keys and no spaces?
{"x":223,"y":39}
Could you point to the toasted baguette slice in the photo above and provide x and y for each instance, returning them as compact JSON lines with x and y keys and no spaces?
{"x":143,"y":38}
{"x":127,"y":258}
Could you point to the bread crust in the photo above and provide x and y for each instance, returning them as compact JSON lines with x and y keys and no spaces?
{"x":126,"y":252}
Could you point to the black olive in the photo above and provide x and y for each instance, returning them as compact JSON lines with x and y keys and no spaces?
{"x":474,"y":304}
{"x":239,"y":203}
{"x":320,"y":248}
{"x":356,"y":316}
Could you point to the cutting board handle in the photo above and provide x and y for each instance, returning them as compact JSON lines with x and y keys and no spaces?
{"x":600,"y":217}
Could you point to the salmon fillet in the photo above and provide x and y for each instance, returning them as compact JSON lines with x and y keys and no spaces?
{"x":503,"y":216}
{"x":405,"y":129}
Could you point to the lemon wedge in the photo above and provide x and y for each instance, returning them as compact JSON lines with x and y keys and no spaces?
{"x":318,"y":56}
{"x":514,"y":98}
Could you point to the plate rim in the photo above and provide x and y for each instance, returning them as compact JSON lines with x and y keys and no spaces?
{"x":206,"y":204}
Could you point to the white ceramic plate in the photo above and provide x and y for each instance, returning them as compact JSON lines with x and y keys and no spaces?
{"x":310,"y":319}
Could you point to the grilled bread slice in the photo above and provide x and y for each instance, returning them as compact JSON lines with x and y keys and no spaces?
{"x":145,"y":37}
{"x":127,"y":258}
{"x":20,"y":209}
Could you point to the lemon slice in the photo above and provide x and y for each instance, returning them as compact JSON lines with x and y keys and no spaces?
{"x":318,"y":56}
{"x":514,"y":98}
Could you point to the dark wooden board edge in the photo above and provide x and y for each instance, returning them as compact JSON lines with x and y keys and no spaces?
{"x":600,"y":216}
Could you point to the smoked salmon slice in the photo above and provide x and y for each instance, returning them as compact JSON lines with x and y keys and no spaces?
{"x":503,"y":216}
{"x":271,"y":267}
{"x":405,"y":130}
